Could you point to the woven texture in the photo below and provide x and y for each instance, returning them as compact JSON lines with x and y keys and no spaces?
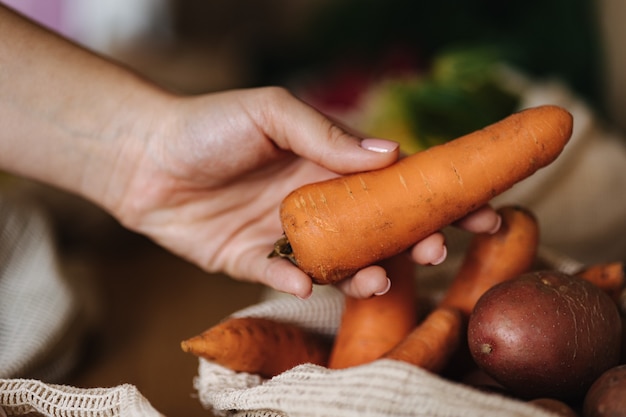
{"x":381,"y":388}
{"x":22,"y":396}
{"x":41,"y":327}
{"x":38,"y":308}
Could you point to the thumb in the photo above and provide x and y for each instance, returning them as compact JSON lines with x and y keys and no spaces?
{"x":296,"y":126}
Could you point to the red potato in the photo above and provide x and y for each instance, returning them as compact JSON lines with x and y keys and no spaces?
{"x":336,"y":227}
{"x":545,"y":334}
{"x":607,"y":395}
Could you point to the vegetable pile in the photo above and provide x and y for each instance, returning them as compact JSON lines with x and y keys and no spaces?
{"x":504,"y":324}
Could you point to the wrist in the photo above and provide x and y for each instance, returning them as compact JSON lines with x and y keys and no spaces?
{"x":122,"y":148}
{"x":70,"y":118}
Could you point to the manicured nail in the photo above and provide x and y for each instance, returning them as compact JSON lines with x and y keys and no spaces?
{"x":442,"y":257}
{"x":379,"y":145}
{"x":497,"y":226}
{"x":386,"y":290}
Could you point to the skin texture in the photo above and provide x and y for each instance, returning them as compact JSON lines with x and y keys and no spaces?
{"x":202,"y":176}
{"x":339,"y":226}
{"x":607,"y":395}
{"x":545,"y":334}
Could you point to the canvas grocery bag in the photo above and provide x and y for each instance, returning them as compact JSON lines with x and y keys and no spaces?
{"x":39,"y":312}
{"x":381,"y":388}
{"x":42,"y":325}
{"x":580,"y":206}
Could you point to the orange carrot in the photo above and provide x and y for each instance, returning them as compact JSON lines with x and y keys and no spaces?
{"x":433,"y":342}
{"x":494,"y":258}
{"x":336,"y":227}
{"x":258,"y":345}
{"x":370,"y":327}
{"x":610,"y":277}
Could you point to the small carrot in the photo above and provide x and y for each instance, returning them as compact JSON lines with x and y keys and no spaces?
{"x":336,"y":227}
{"x":370,"y":327}
{"x":432,"y":343}
{"x":494,"y":258}
{"x":258,"y":345}
{"x":610,"y":277}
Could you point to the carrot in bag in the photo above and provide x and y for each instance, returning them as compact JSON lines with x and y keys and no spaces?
{"x":493,"y":258}
{"x":336,"y":227}
{"x":259,"y":346}
{"x":372,"y":326}
{"x":610,"y":277}
{"x":432,"y":343}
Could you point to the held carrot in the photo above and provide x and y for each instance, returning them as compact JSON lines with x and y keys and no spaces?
{"x":610,"y":277}
{"x":433,"y":342}
{"x":258,"y":345}
{"x":370,"y":327}
{"x":336,"y":227}
{"x":494,"y":258}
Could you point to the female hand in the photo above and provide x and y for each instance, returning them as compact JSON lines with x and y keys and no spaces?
{"x":208,"y":180}
{"x":202,"y":176}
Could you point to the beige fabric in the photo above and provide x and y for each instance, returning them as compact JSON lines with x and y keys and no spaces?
{"x":382,"y":388}
{"x":38,"y":309}
{"x":41,"y":327}
{"x":23,"y":396}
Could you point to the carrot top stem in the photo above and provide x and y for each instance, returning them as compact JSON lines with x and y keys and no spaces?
{"x":282,"y":248}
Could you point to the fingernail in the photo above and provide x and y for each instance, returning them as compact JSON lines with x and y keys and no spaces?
{"x":442,"y":257}
{"x":379,"y":145}
{"x":304,"y":297}
{"x":386,"y":290}
{"x":497,"y":226}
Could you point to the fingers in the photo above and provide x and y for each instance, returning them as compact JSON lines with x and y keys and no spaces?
{"x":483,"y":220}
{"x":431,"y":250}
{"x":283,"y":276}
{"x":294,"y":125}
{"x":370,"y":281}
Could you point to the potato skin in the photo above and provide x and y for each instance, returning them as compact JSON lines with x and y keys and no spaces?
{"x":545,"y":334}
{"x":607,"y":395}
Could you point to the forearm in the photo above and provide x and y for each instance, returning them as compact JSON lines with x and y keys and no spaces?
{"x":67,"y":116}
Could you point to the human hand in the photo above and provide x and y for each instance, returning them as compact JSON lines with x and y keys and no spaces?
{"x":207,"y":183}
{"x":202,"y":176}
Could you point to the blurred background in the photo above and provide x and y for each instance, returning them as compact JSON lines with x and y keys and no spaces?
{"x":415,"y":71}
